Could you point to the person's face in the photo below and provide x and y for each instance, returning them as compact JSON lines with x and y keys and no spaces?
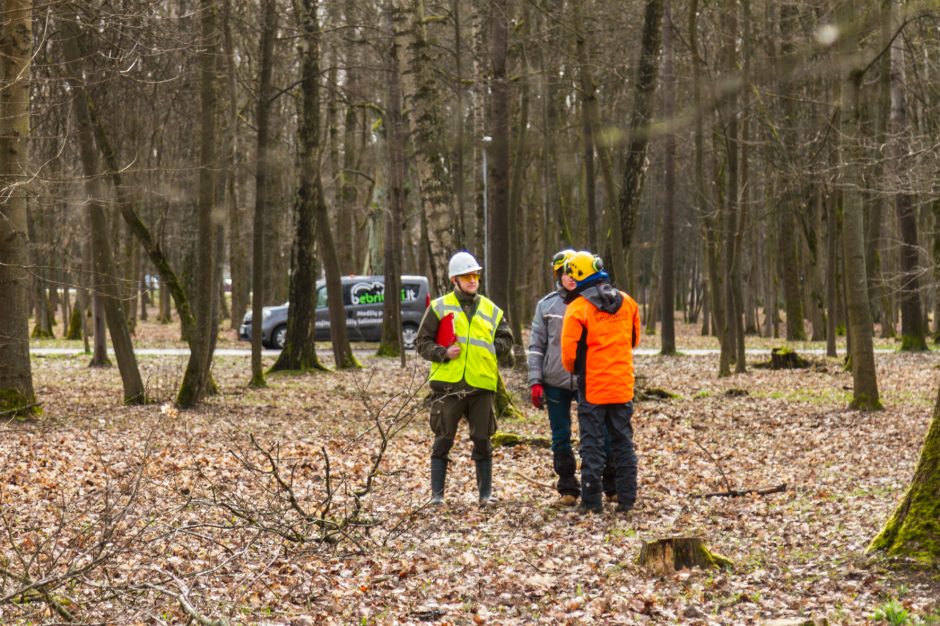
{"x":468,"y":283}
{"x":568,"y":282}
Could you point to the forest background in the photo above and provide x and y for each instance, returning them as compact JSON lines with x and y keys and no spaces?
{"x":750,"y":168}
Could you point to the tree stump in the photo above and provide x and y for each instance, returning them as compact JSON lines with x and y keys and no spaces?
{"x":665,"y":556}
{"x":786,"y":359}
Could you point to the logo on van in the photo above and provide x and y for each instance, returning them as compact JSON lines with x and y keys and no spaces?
{"x":374,"y":293}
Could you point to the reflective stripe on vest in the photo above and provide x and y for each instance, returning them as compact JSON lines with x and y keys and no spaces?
{"x":477,"y":360}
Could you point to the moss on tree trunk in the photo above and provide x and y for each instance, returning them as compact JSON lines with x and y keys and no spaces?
{"x":74,"y":332}
{"x":14,"y":403}
{"x":914,"y":528}
{"x":504,"y":405}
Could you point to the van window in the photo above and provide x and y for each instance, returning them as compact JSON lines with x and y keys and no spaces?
{"x":410,"y":292}
{"x":322,"y":302}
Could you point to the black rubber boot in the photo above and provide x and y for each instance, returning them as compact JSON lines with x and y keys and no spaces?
{"x":485,"y":480}
{"x":438,"y":476}
{"x":565,"y":467}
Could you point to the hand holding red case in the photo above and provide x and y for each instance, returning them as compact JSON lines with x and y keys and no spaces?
{"x":446,"y":332}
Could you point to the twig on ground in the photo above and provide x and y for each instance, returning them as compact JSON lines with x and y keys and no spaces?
{"x":187,"y":606}
{"x":533,"y":481}
{"x":737,"y":493}
{"x":724,"y":477}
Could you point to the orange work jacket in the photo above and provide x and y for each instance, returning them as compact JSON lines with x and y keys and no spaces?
{"x":598,"y":347}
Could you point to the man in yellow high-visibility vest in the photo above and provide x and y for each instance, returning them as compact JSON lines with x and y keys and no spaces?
{"x":464,"y":374}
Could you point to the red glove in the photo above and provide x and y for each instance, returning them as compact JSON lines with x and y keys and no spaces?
{"x":538,"y":400}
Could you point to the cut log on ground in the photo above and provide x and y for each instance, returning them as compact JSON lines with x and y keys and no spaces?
{"x":508,"y":440}
{"x":654,"y":393}
{"x":664,"y":556}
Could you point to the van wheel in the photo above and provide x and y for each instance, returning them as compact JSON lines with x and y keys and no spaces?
{"x":279,"y":337}
{"x":409,"y":333}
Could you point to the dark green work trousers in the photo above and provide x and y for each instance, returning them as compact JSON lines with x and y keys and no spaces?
{"x":447,"y":409}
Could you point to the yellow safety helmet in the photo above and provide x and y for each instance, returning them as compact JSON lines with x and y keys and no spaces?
{"x":560,"y":258}
{"x":582,"y":265}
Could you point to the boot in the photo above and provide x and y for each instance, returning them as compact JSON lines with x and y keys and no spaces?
{"x":485,"y":480}
{"x":438,"y":476}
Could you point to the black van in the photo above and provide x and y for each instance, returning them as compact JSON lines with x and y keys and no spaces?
{"x":364,"y":297}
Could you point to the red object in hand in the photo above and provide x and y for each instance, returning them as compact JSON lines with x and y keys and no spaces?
{"x":538,"y":400}
{"x":446,"y":332}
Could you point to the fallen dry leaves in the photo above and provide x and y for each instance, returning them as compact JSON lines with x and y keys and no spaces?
{"x":137,"y":487}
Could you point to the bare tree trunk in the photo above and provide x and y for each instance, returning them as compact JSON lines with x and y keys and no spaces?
{"x":733,"y":217}
{"x":479,"y":20}
{"x":668,"y":334}
{"x":634,"y":166}
{"x":833,"y":203}
{"x":913,"y":331}
{"x":104,"y":280}
{"x":196,"y":377}
{"x":616,"y":264}
{"x":299,"y":353}
{"x":431,"y":159}
{"x":238,"y":250}
{"x":711,"y":312}
{"x":551,"y":195}
{"x":588,"y":122}
{"x":935,"y":247}
{"x":861,"y":353}
{"x":391,"y":344}
{"x":497,"y":228}
{"x":16,"y":379}
{"x":346,"y":242}
{"x":789,"y":262}
{"x":912,"y":530}
{"x":517,"y":248}
{"x":262,"y":185}
{"x":460,"y":227}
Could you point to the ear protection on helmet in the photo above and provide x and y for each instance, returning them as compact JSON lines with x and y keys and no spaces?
{"x":583,"y":264}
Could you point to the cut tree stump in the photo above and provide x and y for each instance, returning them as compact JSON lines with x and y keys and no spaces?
{"x":786,"y":359}
{"x":665,"y":556}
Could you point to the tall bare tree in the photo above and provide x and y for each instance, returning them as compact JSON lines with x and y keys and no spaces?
{"x":668,"y":333}
{"x":497,"y":220}
{"x":861,"y":351}
{"x":16,"y":380}
{"x":424,"y":96}
{"x":634,"y":167}
{"x":196,"y":378}
{"x":104,"y":276}
{"x":913,"y":328}
{"x":299,"y":353}
{"x":262,"y":183}
{"x":391,"y":344}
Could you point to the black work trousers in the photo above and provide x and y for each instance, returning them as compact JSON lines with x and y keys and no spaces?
{"x":447,"y":409}
{"x":594,"y":422}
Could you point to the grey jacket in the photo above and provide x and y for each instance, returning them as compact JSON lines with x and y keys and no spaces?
{"x":544,"y":353}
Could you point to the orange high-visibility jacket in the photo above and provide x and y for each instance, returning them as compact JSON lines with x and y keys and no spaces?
{"x":597,"y":345}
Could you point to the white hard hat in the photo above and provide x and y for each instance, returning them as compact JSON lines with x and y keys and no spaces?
{"x":462,"y":263}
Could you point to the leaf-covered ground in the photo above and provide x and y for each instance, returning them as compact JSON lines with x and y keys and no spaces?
{"x":126,"y":515}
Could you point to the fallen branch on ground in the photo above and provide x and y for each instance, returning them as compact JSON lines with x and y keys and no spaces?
{"x":737,"y":493}
{"x":533,"y":481}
